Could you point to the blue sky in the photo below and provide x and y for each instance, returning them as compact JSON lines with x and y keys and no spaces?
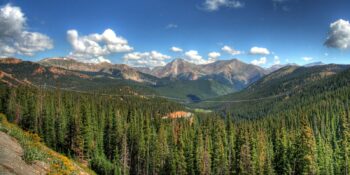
{"x":290,"y":30}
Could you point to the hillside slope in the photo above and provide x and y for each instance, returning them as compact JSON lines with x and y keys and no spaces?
{"x":281,"y":89}
{"x":22,"y":153}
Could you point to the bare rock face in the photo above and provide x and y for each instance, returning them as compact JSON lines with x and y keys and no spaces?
{"x":177,"y":68}
{"x":233,"y":72}
{"x":11,"y":162}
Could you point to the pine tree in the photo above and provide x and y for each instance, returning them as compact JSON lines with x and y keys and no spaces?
{"x":245,"y":164}
{"x":281,"y":164}
{"x":219,"y":160}
{"x":306,"y":151}
{"x":124,"y":162}
{"x":231,"y":153}
{"x":345,"y":127}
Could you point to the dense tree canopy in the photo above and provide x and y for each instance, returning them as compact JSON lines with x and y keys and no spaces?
{"x":127,"y":135}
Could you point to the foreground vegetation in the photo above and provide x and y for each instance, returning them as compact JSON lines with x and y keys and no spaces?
{"x":309,"y":135}
{"x":34,"y":150}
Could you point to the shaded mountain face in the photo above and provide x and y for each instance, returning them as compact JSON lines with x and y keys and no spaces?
{"x":229,"y":72}
{"x":118,"y":70}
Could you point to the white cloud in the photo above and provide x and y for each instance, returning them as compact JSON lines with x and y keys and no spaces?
{"x":276,"y":60}
{"x":213,"y":5}
{"x":259,"y":51}
{"x":230,"y":50}
{"x":171,"y":26}
{"x":307,"y":58}
{"x":145,"y":59}
{"x":94,"y":47}
{"x":176,"y":49}
{"x":339,"y":35}
{"x":260,"y":61}
{"x":193,"y":56}
{"x":214,"y":55}
{"x":14,"y":37}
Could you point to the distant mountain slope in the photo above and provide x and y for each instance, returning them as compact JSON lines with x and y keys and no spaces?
{"x":15,"y":72}
{"x":282,"y":84}
{"x":292,"y":78}
{"x":118,"y":70}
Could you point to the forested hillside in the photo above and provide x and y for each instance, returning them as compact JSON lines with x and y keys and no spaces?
{"x":282,"y":89}
{"x":308,"y":135}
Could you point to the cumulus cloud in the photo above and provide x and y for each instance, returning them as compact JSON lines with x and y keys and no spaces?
{"x":14,"y":36}
{"x":213,"y":56}
{"x":193,"y":56}
{"x":145,"y":59}
{"x":259,"y":51}
{"x":176,"y":49}
{"x":307,"y":58}
{"x":339,"y":35}
{"x":276,"y":60}
{"x":95,"y":47}
{"x":230,"y":50}
{"x":260,"y":61}
{"x":213,"y":5}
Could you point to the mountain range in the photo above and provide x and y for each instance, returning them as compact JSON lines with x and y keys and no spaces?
{"x":177,"y":79}
{"x":229,"y":72}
